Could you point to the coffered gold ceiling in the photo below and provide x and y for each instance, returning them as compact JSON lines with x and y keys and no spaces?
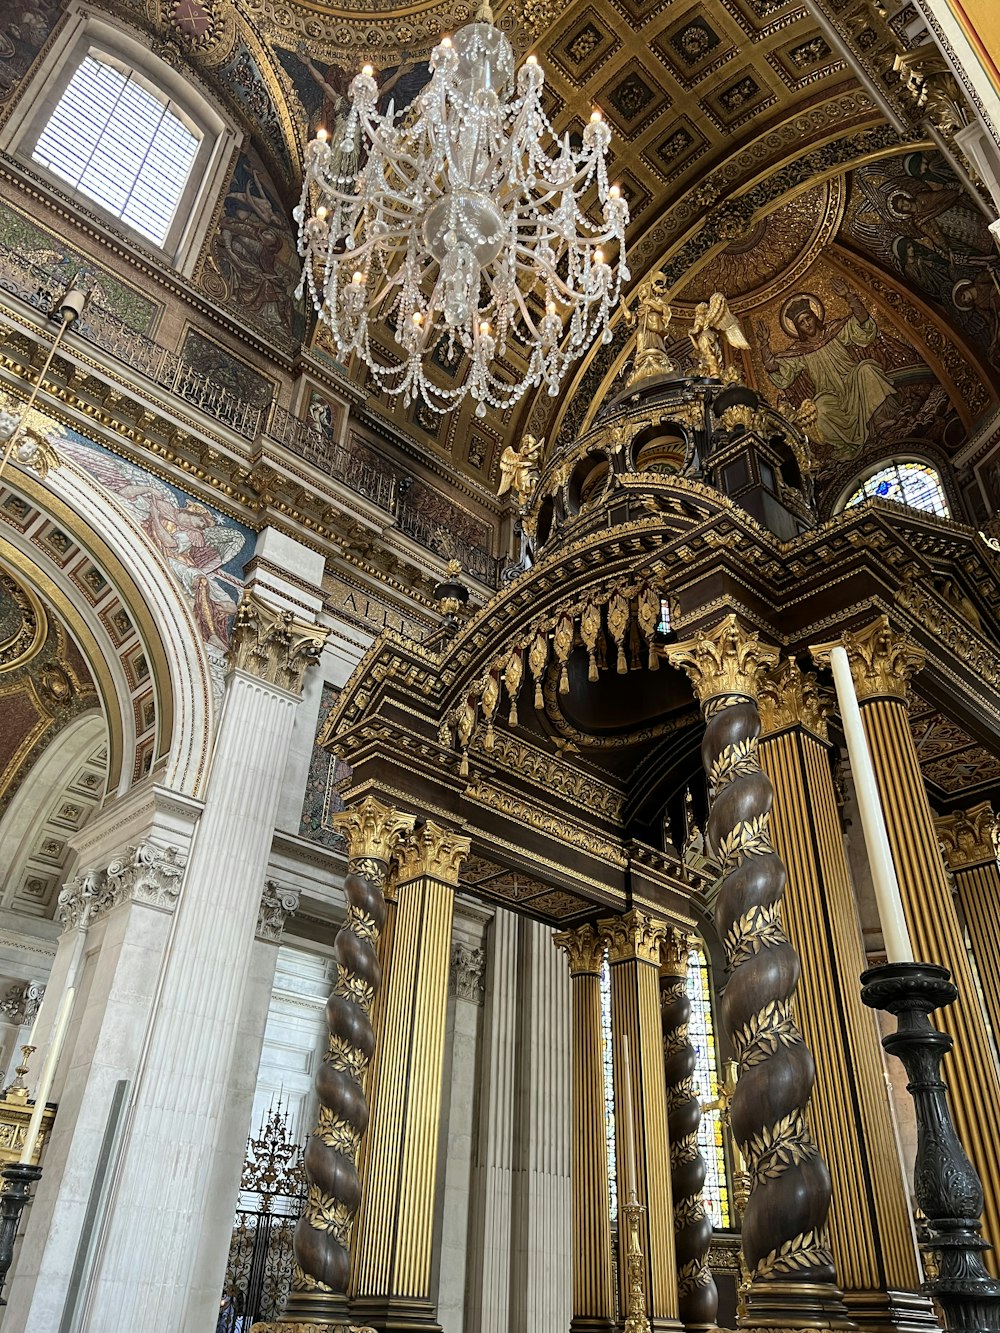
{"x":724,"y":112}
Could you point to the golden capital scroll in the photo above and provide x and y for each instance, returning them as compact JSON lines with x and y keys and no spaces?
{"x":674,"y":953}
{"x":633,"y":935}
{"x":432,"y":852}
{"x":969,"y":837}
{"x":728,"y":659}
{"x":371,"y":829}
{"x":271,"y":644}
{"x":585,"y":947}
{"x":882,"y":661}
{"x":788,"y":697}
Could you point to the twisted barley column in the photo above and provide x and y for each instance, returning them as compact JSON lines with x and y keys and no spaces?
{"x":323,"y":1232}
{"x":698,"y":1299}
{"x":784,"y":1226}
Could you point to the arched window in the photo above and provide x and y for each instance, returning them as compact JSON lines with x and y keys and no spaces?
{"x":122,"y":142}
{"x":137,"y":143}
{"x":907,"y":482}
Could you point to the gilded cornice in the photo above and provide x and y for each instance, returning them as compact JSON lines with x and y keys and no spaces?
{"x":432,"y":852}
{"x":635,"y":935}
{"x":788,"y":697}
{"x":969,"y":837}
{"x":585,"y":948}
{"x":272,"y":644}
{"x":882,"y":660}
{"x":372,"y":829}
{"x":532,"y":817}
{"x":728,"y":659}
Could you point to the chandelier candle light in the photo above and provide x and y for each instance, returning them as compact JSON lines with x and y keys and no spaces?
{"x":454,"y":221}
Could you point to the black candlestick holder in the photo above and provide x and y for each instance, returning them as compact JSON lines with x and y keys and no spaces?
{"x":945,"y":1182}
{"x":18,"y":1178}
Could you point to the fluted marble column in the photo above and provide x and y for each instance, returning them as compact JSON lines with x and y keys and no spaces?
{"x":158,"y":1266}
{"x":871,"y":1231}
{"x":391,"y":1275}
{"x":785,"y":1240}
{"x":882,"y":662}
{"x":593,"y":1292}
{"x":968,"y":839}
{"x":634,"y":942}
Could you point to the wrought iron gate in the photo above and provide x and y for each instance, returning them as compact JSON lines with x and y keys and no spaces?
{"x":272,"y":1191}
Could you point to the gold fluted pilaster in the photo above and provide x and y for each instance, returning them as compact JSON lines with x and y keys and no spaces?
{"x":634,"y":941}
{"x":593,"y":1293}
{"x":391,"y":1272}
{"x":881,"y":663}
{"x":871,"y":1232}
{"x":968,"y":840}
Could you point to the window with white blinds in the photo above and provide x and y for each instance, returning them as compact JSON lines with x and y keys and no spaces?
{"x":114,"y":139}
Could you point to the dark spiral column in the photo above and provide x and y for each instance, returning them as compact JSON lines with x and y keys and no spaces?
{"x":698,"y":1299}
{"x":784,"y":1226}
{"x":323,"y":1232}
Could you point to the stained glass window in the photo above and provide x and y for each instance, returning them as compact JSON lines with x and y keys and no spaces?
{"x":914,"y":484}
{"x":701,"y":1033}
{"x":609,"y":1086}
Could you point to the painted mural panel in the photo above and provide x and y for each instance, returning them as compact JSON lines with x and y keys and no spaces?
{"x":25,"y":26}
{"x":326,"y":772}
{"x":911,"y":214}
{"x":226,"y":370}
{"x":205,"y":550}
{"x":322,"y":89}
{"x":252,"y":267}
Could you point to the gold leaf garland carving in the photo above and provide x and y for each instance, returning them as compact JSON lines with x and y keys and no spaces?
{"x":806,"y":1250}
{"x":768,"y":1029}
{"x":771,"y":1152}
{"x":732,"y":761}
{"x":750,"y":837}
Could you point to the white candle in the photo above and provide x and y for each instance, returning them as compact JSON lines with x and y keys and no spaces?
{"x":48,"y":1074}
{"x":631,"y":1174}
{"x":887,"y":895}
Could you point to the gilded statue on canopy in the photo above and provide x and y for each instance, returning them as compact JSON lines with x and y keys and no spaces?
{"x":651,"y":319}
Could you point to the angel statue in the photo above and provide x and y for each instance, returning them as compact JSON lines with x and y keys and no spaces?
{"x":519,"y":468}
{"x":713,"y":320}
{"x":653,"y":319}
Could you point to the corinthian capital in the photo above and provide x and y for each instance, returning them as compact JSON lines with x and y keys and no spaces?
{"x":272,"y":644}
{"x":585,"y":947}
{"x":634,"y":935}
{"x":788,"y":697}
{"x":882,"y":661}
{"x":372,"y":830}
{"x":969,"y":837}
{"x":728,"y":659}
{"x":434,"y":852}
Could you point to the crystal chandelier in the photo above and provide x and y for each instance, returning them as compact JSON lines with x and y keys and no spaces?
{"x":462,"y":220}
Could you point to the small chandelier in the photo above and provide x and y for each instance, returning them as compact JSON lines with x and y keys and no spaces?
{"x":453,"y":221}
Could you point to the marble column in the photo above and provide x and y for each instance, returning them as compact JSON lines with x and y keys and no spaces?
{"x":164,"y":1265}
{"x":634,"y":942}
{"x":593,"y":1291}
{"x":785,"y":1240}
{"x":871,"y":1230}
{"x":968,"y":840}
{"x":882,"y":663}
{"x":391,"y":1274}
{"x":488,"y":1307}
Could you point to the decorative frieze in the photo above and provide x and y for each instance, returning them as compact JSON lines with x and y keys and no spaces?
{"x":146,"y":873}
{"x":273,"y":644}
{"x":277,"y":902}
{"x":467,"y":978}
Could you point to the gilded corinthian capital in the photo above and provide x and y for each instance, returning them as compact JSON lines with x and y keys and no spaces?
{"x":882,"y":661}
{"x":634,"y":935}
{"x":372,"y":830}
{"x":270,"y":643}
{"x":969,"y":837}
{"x":433,"y":852}
{"x":585,"y":947}
{"x":788,"y":697}
{"x":728,"y":659}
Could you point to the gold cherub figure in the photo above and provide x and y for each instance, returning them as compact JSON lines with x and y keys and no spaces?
{"x":519,"y":468}
{"x":713,"y":320}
